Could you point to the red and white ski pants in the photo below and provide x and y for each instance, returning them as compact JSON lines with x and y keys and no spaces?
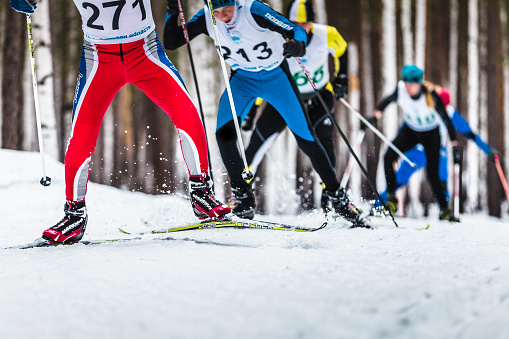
{"x":104,"y":69}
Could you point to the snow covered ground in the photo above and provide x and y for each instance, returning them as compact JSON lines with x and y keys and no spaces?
{"x":449,"y":281}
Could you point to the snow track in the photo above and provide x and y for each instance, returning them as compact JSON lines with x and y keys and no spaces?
{"x":450,"y":281}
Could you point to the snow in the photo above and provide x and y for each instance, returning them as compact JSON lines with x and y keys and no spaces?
{"x":449,"y":281}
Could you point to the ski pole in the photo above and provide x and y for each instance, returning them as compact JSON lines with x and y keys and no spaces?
{"x":377,"y":132}
{"x":349,"y":166}
{"x":501,"y":175}
{"x":45,"y":181}
{"x":456,"y":189}
{"x":193,"y":69}
{"x":343,"y":136}
{"x":247,"y":175}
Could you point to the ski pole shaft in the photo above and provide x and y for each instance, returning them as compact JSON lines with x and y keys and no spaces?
{"x":456,"y":189}
{"x":247,"y":175}
{"x":502,"y":176}
{"x":349,"y":166}
{"x":377,"y":132}
{"x":343,"y":136}
{"x":193,"y":69}
{"x":45,"y":181}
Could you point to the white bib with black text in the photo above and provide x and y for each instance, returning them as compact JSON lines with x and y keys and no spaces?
{"x":315,"y":61}
{"x":416,"y":113}
{"x":113,"y":22}
{"x":245,"y":44}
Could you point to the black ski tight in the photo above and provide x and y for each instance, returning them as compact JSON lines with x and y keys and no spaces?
{"x":270,"y":123}
{"x":406,"y":139}
{"x":227,"y":142}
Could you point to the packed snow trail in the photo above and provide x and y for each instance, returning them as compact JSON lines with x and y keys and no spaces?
{"x":449,"y":281}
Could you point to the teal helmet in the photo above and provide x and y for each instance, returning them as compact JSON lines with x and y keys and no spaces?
{"x":220,"y":3}
{"x":412,"y":73}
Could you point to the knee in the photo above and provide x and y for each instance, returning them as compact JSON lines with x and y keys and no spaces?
{"x":390,"y":157}
{"x":226,"y":133}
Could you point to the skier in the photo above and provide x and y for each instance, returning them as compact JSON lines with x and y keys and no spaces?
{"x":417,"y":156}
{"x":253,"y":40}
{"x":325,"y":59}
{"x":121,"y":46}
{"x":420,"y":104}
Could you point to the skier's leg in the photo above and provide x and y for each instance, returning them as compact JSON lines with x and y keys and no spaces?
{"x":432,"y":145}
{"x":244,"y":92}
{"x":268,"y":127}
{"x":101,"y":75}
{"x":404,"y":141}
{"x":322,"y":124}
{"x":443,"y":171}
{"x":150,"y":70}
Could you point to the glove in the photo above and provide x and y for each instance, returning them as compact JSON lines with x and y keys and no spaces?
{"x":172,"y":7}
{"x":340,"y":86}
{"x":457,"y":155}
{"x":24,"y":6}
{"x":293,"y":48}
{"x":248,"y":122}
{"x":371,"y":119}
{"x":494,"y":155}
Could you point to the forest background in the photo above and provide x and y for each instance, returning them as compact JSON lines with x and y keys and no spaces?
{"x":462,"y":45}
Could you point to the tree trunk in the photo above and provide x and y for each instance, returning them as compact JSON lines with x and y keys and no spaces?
{"x":12,"y":80}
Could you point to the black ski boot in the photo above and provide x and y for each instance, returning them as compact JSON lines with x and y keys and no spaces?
{"x":392,"y":202}
{"x":446,"y":214}
{"x":72,"y":227}
{"x":245,"y":202}
{"x":205,"y":205}
{"x":345,"y":208}
{"x":325,"y":202}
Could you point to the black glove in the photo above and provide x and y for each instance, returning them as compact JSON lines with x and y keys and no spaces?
{"x":340,"y":86}
{"x":248,"y":122}
{"x":172,"y":7}
{"x":457,"y":154}
{"x":494,"y":155}
{"x":371,"y":119}
{"x":293,"y":48}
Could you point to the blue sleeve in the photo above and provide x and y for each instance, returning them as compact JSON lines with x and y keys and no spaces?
{"x":268,"y":18}
{"x":24,"y":6}
{"x":462,"y":126}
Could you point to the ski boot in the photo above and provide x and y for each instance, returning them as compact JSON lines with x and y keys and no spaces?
{"x":205,"y":205}
{"x":245,"y":202}
{"x":447,"y":215}
{"x":325,"y":202}
{"x":345,"y":208}
{"x":392,"y":202}
{"x":72,"y":226}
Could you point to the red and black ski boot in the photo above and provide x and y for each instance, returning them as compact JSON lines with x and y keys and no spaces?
{"x":205,"y":205}
{"x":72,"y":226}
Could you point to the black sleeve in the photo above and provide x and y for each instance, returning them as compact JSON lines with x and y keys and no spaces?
{"x":439,"y":106}
{"x":173,"y":36}
{"x":343,"y":63}
{"x":387,"y":100}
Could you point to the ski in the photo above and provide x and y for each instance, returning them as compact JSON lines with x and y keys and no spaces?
{"x":237,"y":223}
{"x":41,"y":242}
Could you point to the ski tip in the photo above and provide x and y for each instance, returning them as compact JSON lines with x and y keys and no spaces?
{"x":123,"y":231}
{"x":321,"y":227}
{"x":424,"y":228}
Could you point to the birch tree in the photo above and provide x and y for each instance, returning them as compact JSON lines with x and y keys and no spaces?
{"x":45,"y":74}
